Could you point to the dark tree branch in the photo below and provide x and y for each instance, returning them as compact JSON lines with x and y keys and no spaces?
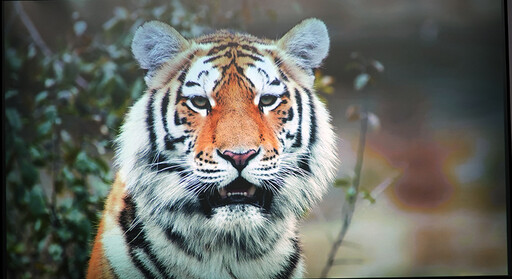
{"x":36,"y":37}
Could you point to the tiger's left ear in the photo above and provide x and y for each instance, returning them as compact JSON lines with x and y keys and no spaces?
{"x":307,"y":42}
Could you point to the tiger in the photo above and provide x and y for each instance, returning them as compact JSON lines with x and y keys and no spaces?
{"x":221,"y":157}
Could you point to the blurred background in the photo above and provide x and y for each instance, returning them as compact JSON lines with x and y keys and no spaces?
{"x":430,"y":76}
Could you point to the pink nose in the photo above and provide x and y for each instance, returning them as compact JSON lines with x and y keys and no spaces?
{"x":239,"y":160}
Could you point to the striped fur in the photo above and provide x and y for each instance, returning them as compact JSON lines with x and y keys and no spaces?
{"x":181,"y":207}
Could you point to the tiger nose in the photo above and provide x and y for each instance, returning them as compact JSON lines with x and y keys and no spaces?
{"x":238,"y":160}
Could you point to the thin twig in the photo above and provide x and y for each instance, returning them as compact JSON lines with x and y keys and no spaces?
{"x":349,"y":206}
{"x":38,"y":40}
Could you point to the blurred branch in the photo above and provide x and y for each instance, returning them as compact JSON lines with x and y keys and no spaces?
{"x":36,"y":37}
{"x":349,"y":206}
{"x":366,"y":68}
{"x":32,"y":29}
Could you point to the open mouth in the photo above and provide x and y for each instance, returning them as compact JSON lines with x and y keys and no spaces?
{"x":240,"y":191}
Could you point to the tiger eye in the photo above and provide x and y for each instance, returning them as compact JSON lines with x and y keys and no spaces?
{"x":267,"y":100}
{"x":200,"y":102}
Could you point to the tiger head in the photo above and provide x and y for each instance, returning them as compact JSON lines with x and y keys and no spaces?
{"x":229,"y":133}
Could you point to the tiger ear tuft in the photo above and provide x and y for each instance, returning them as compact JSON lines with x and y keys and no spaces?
{"x":154,"y":43}
{"x":307,"y":42}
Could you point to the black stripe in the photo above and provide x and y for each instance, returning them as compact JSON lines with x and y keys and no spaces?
{"x":221,"y":48}
{"x":275,"y":82}
{"x":177,"y":120}
{"x":290,"y":114}
{"x":213,"y":58}
{"x":277,"y":60}
{"x":253,"y":57}
{"x":298,"y":137}
{"x":191,"y":84}
{"x":291,"y":262}
{"x":181,"y":79}
{"x":180,"y":241}
{"x":183,"y":74}
{"x":135,"y":238}
{"x":283,"y":76}
{"x":157,"y":161}
{"x":289,"y":135}
{"x":313,"y":124}
{"x":150,"y":122}
{"x":303,"y":163}
{"x":286,"y":92}
{"x":185,"y":207}
{"x":170,"y":142}
{"x":165,"y":106}
{"x":260,"y":70}
{"x":304,"y":160}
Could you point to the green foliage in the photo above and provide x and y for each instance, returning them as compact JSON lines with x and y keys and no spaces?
{"x":62,"y":113}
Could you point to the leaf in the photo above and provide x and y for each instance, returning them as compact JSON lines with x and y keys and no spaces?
{"x":55,"y":251}
{"x":378,"y":66}
{"x":58,"y":68}
{"x":361,"y":81}
{"x":41,"y":96}
{"x":65,"y":136}
{"x":51,"y":113}
{"x":13,"y":117}
{"x":353,"y":113}
{"x":342,"y":182}
{"x":137,"y":89}
{"x":10,"y":93}
{"x":32,"y":51}
{"x":29,"y":173}
{"x":49,"y":82}
{"x":35,"y":153}
{"x":159,"y":11}
{"x":68,"y":175}
{"x":36,"y":203}
{"x":79,"y":27}
{"x":373,"y":121}
{"x":110,"y":24}
{"x":84,"y":164}
{"x":64,"y":95}
{"x":44,"y":128}
{"x":367,"y":196}
{"x":346,"y":180}
{"x":19,"y":248}
{"x":120,"y":12}
{"x":13,"y":59}
{"x":37,"y":225}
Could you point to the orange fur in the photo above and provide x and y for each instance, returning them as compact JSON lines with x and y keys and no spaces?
{"x":99,"y":267}
{"x":235,"y":111}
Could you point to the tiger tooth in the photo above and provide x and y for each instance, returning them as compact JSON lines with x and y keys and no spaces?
{"x":251,"y":191}
{"x":223,"y":192}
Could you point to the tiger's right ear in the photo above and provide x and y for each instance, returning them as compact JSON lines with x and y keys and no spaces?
{"x":154,"y":43}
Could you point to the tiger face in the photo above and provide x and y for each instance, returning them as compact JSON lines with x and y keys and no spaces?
{"x":230,"y":136}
